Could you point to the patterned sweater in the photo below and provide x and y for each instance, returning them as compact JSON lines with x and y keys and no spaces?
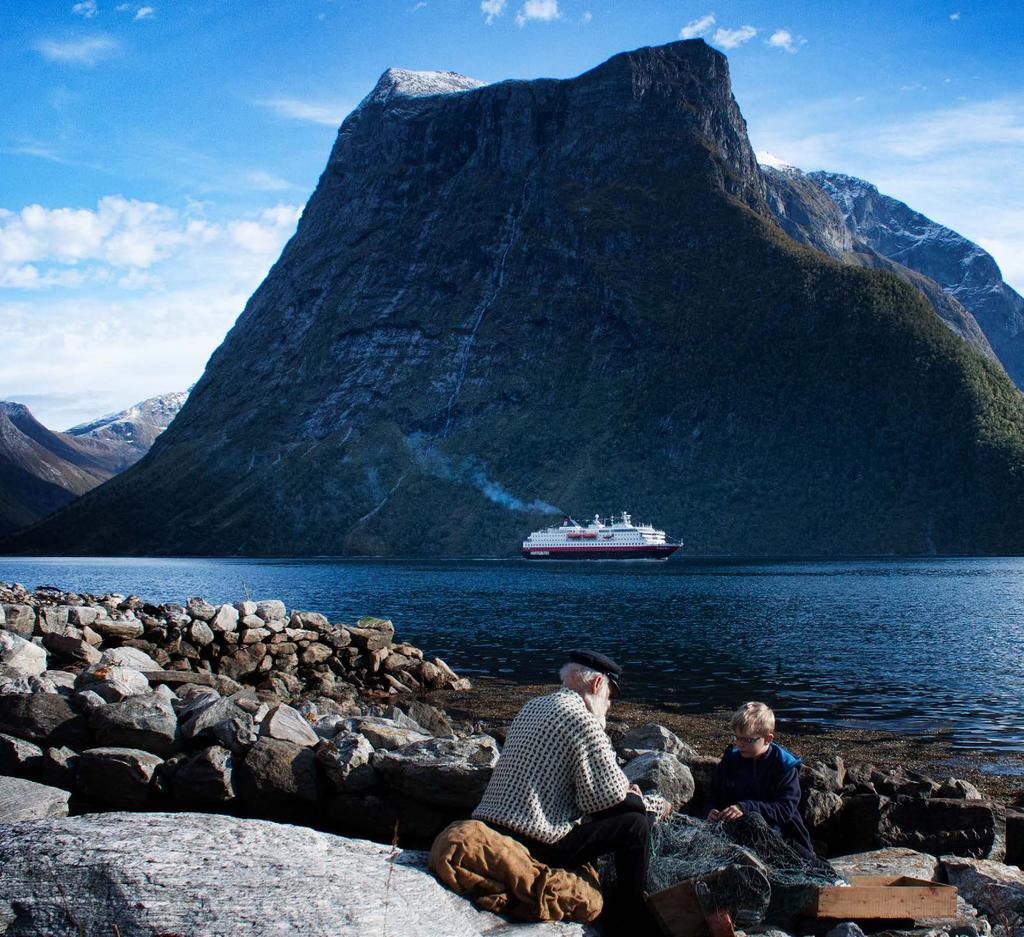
{"x":556,"y":766}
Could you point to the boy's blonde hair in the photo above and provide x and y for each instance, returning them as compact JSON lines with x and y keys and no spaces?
{"x":753,"y":719}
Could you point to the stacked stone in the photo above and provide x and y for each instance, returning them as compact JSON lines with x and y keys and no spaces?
{"x":253,"y":643}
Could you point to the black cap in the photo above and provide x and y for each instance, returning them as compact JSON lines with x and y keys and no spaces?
{"x":597,"y":661}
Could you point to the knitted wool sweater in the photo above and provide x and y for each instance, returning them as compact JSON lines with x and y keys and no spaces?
{"x":556,"y":766}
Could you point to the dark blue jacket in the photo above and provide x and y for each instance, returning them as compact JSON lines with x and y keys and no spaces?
{"x":769,"y":785}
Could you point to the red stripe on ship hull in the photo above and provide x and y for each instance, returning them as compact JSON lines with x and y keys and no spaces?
{"x":600,"y":553}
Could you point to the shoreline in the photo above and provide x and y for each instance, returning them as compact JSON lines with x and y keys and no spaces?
{"x":998,"y":775}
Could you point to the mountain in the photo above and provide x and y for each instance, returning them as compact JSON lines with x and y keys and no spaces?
{"x":965,"y":271}
{"x":507,"y":301}
{"x":41,"y":470}
{"x":132,"y":432}
{"x":808,"y":212}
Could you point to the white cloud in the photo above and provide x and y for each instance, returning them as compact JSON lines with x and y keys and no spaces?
{"x":954,"y":16}
{"x":315,"y":112}
{"x":144,"y":13}
{"x":419,"y":6}
{"x":266,"y":182}
{"x":141,"y":292}
{"x":586,"y":17}
{"x":86,"y":51}
{"x":86,"y":8}
{"x":697,"y":27}
{"x":544,"y":11}
{"x":783,"y":39}
{"x":492,"y":9}
{"x":731,"y":38}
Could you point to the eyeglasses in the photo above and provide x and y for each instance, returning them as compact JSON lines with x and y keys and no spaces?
{"x":747,"y":739}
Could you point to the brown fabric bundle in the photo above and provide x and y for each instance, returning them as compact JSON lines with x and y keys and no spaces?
{"x":498,"y":874}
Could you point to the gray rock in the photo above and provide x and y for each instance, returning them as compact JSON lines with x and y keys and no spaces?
{"x":62,"y":680}
{"x":18,"y":757}
{"x":221,"y":720}
{"x":664,"y":773}
{"x":130,"y":657}
{"x":277,"y":778}
{"x":958,"y":789}
{"x":845,"y":929}
{"x":20,"y":619}
{"x":43,"y":718}
{"x":113,"y":683}
{"x":125,"y":630}
{"x":83,"y":614}
{"x":205,"y":778}
{"x":432,"y":719}
{"x":201,"y":633}
{"x":312,"y":621}
{"x":71,"y":648}
{"x":346,"y":762}
{"x":245,"y":608}
{"x":87,"y":700}
{"x":141,"y":878}
{"x":316,"y":653}
{"x":827,"y":775}
{"x":199,"y":609}
{"x":384,"y":733}
{"x":20,"y":658}
{"x":271,"y":610}
{"x":821,"y":812}
{"x":27,"y":800}
{"x":654,"y":737}
{"x":378,"y":815}
{"x":992,"y":887}
{"x":225,"y":620}
{"x":893,"y":860}
{"x":974,"y":828}
{"x":284,"y":723}
{"x":147,"y":722}
{"x":443,"y":772}
{"x":117,"y":776}
{"x":52,"y":619}
{"x":327,"y":727}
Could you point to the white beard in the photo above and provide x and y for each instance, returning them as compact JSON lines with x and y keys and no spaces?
{"x":598,"y":706}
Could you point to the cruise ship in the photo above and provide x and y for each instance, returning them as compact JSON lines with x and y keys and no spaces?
{"x":614,"y":539}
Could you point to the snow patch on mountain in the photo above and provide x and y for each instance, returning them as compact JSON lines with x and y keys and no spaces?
{"x":764,"y":158}
{"x":400,"y":82}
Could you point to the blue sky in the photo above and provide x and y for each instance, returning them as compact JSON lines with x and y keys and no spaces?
{"x":155,"y":156}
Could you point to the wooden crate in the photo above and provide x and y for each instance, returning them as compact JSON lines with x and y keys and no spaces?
{"x":884,"y":897}
{"x":678,"y":911}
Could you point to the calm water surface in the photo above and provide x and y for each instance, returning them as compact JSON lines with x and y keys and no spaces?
{"x":923,"y":646}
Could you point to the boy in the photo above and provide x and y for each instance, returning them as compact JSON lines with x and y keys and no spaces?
{"x":756,"y":775}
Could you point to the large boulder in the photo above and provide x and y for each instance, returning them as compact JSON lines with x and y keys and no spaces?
{"x":132,"y":877}
{"x":20,"y":619}
{"x":345,"y":759}
{"x":385,"y":733}
{"x":381,"y":817}
{"x":117,"y":776}
{"x":653,"y":737}
{"x":217,"y":719}
{"x":992,"y":887}
{"x":445,"y":772}
{"x":71,"y":648}
{"x":43,"y":718}
{"x":26,"y":800}
{"x":113,"y":683}
{"x":893,"y":860}
{"x":663,"y":773}
{"x":18,"y":757}
{"x":130,"y":657}
{"x":277,"y":779}
{"x":288,"y":725}
{"x":147,"y":722}
{"x":974,"y":828}
{"x":20,"y":658}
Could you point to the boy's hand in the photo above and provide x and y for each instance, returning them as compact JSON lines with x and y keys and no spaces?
{"x":732,"y":812}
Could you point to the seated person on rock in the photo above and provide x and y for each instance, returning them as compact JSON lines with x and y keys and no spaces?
{"x":757,"y":775}
{"x":558,"y":789}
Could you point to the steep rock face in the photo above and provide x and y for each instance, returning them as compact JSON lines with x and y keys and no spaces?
{"x":42,"y":470}
{"x":807,"y":213}
{"x":965,"y":271}
{"x":508,"y":300}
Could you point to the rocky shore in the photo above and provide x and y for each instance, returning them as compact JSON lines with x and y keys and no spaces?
{"x":251,"y":712}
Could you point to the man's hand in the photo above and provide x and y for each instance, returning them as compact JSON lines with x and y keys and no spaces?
{"x":635,"y":789}
{"x":732,"y":812}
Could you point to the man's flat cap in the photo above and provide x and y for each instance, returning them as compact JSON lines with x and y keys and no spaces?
{"x":602,"y":664}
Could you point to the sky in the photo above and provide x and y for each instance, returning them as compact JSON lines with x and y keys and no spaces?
{"x":155,"y":156}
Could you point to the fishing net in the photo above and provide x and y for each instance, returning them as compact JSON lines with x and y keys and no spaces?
{"x":742,"y":866}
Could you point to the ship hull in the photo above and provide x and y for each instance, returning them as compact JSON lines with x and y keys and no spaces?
{"x":651,"y":552}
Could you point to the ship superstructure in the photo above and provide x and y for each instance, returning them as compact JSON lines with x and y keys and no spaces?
{"x":612,"y":539}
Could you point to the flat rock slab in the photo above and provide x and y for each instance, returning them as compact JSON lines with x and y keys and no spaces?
{"x":137,"y":872}
{"x":893,"y":860}
{"x":26,"y":800}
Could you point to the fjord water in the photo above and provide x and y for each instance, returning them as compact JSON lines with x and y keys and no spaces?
{"x":931,"y":647}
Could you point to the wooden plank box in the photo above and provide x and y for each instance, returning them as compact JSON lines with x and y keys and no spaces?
{"x":884,"y":897}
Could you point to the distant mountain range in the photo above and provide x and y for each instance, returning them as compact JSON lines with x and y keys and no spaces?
{"x":42,"y":470}
{"x":509,"y":301}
